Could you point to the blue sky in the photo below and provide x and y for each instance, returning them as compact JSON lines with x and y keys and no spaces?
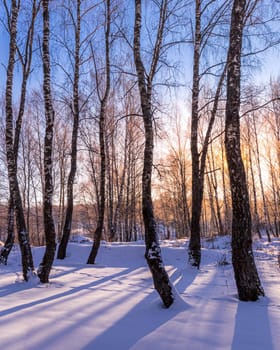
{"x":270,"y":64}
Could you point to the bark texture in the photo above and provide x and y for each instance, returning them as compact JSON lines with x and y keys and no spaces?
{"x":47,"y":261}
{"x":246,"y":275}
{"x":153,"y":251}
{"x":25,"y":60}
{"x":197,"y":181}
{"x":76,"y":119}
{"x":6,"y":249}
{"x":199,"y":157}
{"x":102,"y":145}
{"x":26,"y":254}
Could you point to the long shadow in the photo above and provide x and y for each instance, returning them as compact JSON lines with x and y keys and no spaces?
{"x":84,"y":317}
{"x":62,"y":269}
{"x":127,"y":331}
{"x":21,"y":285}
{"x":140,"y":321}
{"x":252,"y":328}
{"x":183,"y":278}
{"x":145,"y":317}
{"x":64,"y":294}
{"x":14,"y":288}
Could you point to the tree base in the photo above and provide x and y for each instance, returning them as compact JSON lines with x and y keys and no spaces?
{"x":194,"y":257}
{"x":247,"y":280}
{"x":160,"y":276}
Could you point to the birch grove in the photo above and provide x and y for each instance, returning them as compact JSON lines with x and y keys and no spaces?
{"x":126,"y":121}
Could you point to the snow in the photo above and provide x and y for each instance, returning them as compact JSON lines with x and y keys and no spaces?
{"x":113,"y":305}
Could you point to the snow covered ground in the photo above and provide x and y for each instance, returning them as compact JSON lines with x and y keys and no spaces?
{"x":112,"y":305}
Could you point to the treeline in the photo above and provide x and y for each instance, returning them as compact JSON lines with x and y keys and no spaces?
{"x":259,"y":132}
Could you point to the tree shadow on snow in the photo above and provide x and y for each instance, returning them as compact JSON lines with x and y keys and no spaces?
{"x":59,"y":296}
{"x":183,"y":278}
{"x":20,"y":285}
{"x":252,"y":328}
{"x":140,"y":321}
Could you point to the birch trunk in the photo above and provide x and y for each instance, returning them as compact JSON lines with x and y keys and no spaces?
{"x":197,"y":184}
{"x":76,"y":119}
{"x":256,"y":220}
{"x":101,"y":207}
{"x":199,"y":158}
{"x":246,"y":275}
{"x":153,"y":251}
{"x":9,"y":242}
{"x":214,"y":182}
{"x":23,"y":237}
{"x":275,"y":191}
{"x":102,"y":115}
{"x":25,"y":61}
{"x":47,"y":261}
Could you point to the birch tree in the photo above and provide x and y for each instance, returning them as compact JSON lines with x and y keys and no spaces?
{"x":247,"y":280}
{"x":145,"y":85}
{"x":75,"y":129}
{"x":103,"y":98}
{"x":25,"y":58}
{"x":23,"y":236}
{"x":201,"y":36}
{"x":47,"y":261}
